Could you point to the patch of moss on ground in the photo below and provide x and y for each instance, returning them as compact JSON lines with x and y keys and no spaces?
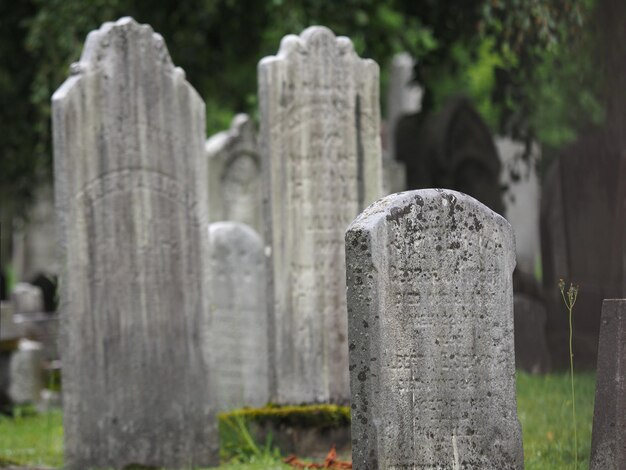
{"x":315,"y":416}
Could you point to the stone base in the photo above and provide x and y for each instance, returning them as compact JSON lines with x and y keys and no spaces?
{"x":310,"y":442}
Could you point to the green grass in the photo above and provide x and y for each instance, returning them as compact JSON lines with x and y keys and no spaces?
{"x":32,"y":439}
{"x":544,"y":408}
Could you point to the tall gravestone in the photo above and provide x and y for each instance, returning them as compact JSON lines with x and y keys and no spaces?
{"x":131,"y":201}
{"x":521,"y":197}
{"x":239,"y":316}
{"x":320,"y":134}
{"x":234,"y":175}
{"x":404,"y":96}
{"x":608,"y":441}
{"x":430,"y":305}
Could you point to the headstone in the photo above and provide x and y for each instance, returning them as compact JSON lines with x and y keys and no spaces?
{"x":239,"y":316}
{"x":27,"y":298}
{"x":26,"y":373}
{"x":521,"y":198}
{"x":235,"y":174}
{"x":404,"y":96}
{"x":580,"y":243}
{"x":8,"y":329}
{"x":132,"y":207}
{"x":451,"y":149}
{"x":42,"y":328}
{"x":531,"y":346}
{"x":35,"y":247}
{"x":394,"y":176}
{"x":608,"y":440}
{"x":430,"y":305}
{"x":320,"y":134}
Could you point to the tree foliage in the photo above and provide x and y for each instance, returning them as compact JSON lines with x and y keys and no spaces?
{"x":517,"y":59}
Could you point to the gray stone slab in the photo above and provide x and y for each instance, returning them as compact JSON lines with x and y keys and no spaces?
{"x":27,"y":298}
{"x":131,"y":202}
{"x":26,"y":373}
{"x":404,"y":96}
{"x":35,"y":248}
{"x":430,"y":305}
{"x":8,"y":328}
{"x":235,"y":174}
{"x":320,"y":134}
{"x":238,"y":316}
{"x":394,"y":176}
{"x":521,"y":197}
{"x":608,"y":439}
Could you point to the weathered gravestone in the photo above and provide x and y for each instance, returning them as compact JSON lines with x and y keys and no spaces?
{"x":430,"y":306}
{"x":522,"y":194}
{"x":35,"y":248}
{"x":239,"y":316}
{"x":235,"y":174}
{"x":452,"y":149}
{"x":608,"y":441}
{"x":583,"y":223}
{"x":404,"y":96}
{"x":320,"y":122}
{"x":132,"y":206}
{"x":26,"y":372}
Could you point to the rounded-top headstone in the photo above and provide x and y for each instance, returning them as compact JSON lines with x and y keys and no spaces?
{"x":320,"y":141}
{"x":430,"y":305}
{"x":238,"y":316}
{"x":130,"y":182}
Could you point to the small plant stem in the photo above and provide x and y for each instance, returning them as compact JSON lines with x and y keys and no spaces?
{"x":571,"y":367}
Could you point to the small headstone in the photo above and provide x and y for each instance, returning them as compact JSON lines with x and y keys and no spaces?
{"x":8,"y":328}
{"x":394,"y":176}
{"x":531,"y":346}
{"x":582,"y":232}
{"x":608,"y":440}
{"x":26,"y":373}
{"x":430,"y":305}
{"x":404,"y":96}
{"x":320,"y":135}
{"x":27,"y":298}
{"x":131,"y":202}
{"x":235,"y":174}
{"x":35,"y":248}
{"x":238,"y":316}
{"x":521,"y":198}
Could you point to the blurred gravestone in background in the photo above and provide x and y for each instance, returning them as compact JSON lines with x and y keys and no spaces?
{"x":451,"y":149}
{"x":234,"y":176}
{"x":239,"y":316}
{"x":130,"y":181}
{"x":403,"y":97}
{"x":35,"y":246}
{"x":320,"y":137}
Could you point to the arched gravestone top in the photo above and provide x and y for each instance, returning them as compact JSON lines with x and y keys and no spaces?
{"x":452,"y":149}
{"x":132,"y":209}
{"x":320,"y":137}
{"x":234,"y":174}
{"x":430,"y":306}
